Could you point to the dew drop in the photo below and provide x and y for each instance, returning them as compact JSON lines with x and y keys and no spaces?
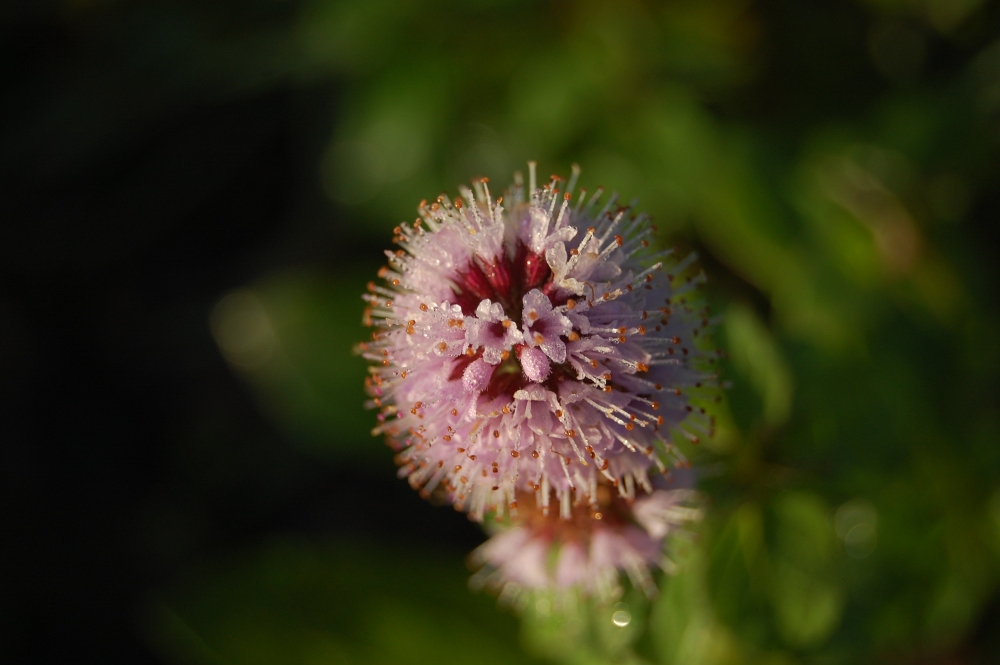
{"x":621,"y":617}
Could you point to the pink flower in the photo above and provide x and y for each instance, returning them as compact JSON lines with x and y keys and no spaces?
{"x":588,"y":552}
{"x":537,"y":350}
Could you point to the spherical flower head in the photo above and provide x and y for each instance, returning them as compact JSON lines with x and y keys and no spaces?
{"x":586,"y":554}
{"x":541,"y":349}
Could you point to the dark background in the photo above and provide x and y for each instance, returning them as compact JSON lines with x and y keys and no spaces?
{"x":126,"y":432}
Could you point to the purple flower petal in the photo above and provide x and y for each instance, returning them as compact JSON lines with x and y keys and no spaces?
{"x":535,"y":364}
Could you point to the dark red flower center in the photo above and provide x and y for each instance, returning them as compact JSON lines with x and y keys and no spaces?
{"x":504,"y":280}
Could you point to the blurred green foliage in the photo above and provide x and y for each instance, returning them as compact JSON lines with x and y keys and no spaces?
{"x":836,"y":163}
{"x":299,"y":602}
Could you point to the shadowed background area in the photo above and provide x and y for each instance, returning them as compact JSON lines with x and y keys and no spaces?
{"x":195,"y":193}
